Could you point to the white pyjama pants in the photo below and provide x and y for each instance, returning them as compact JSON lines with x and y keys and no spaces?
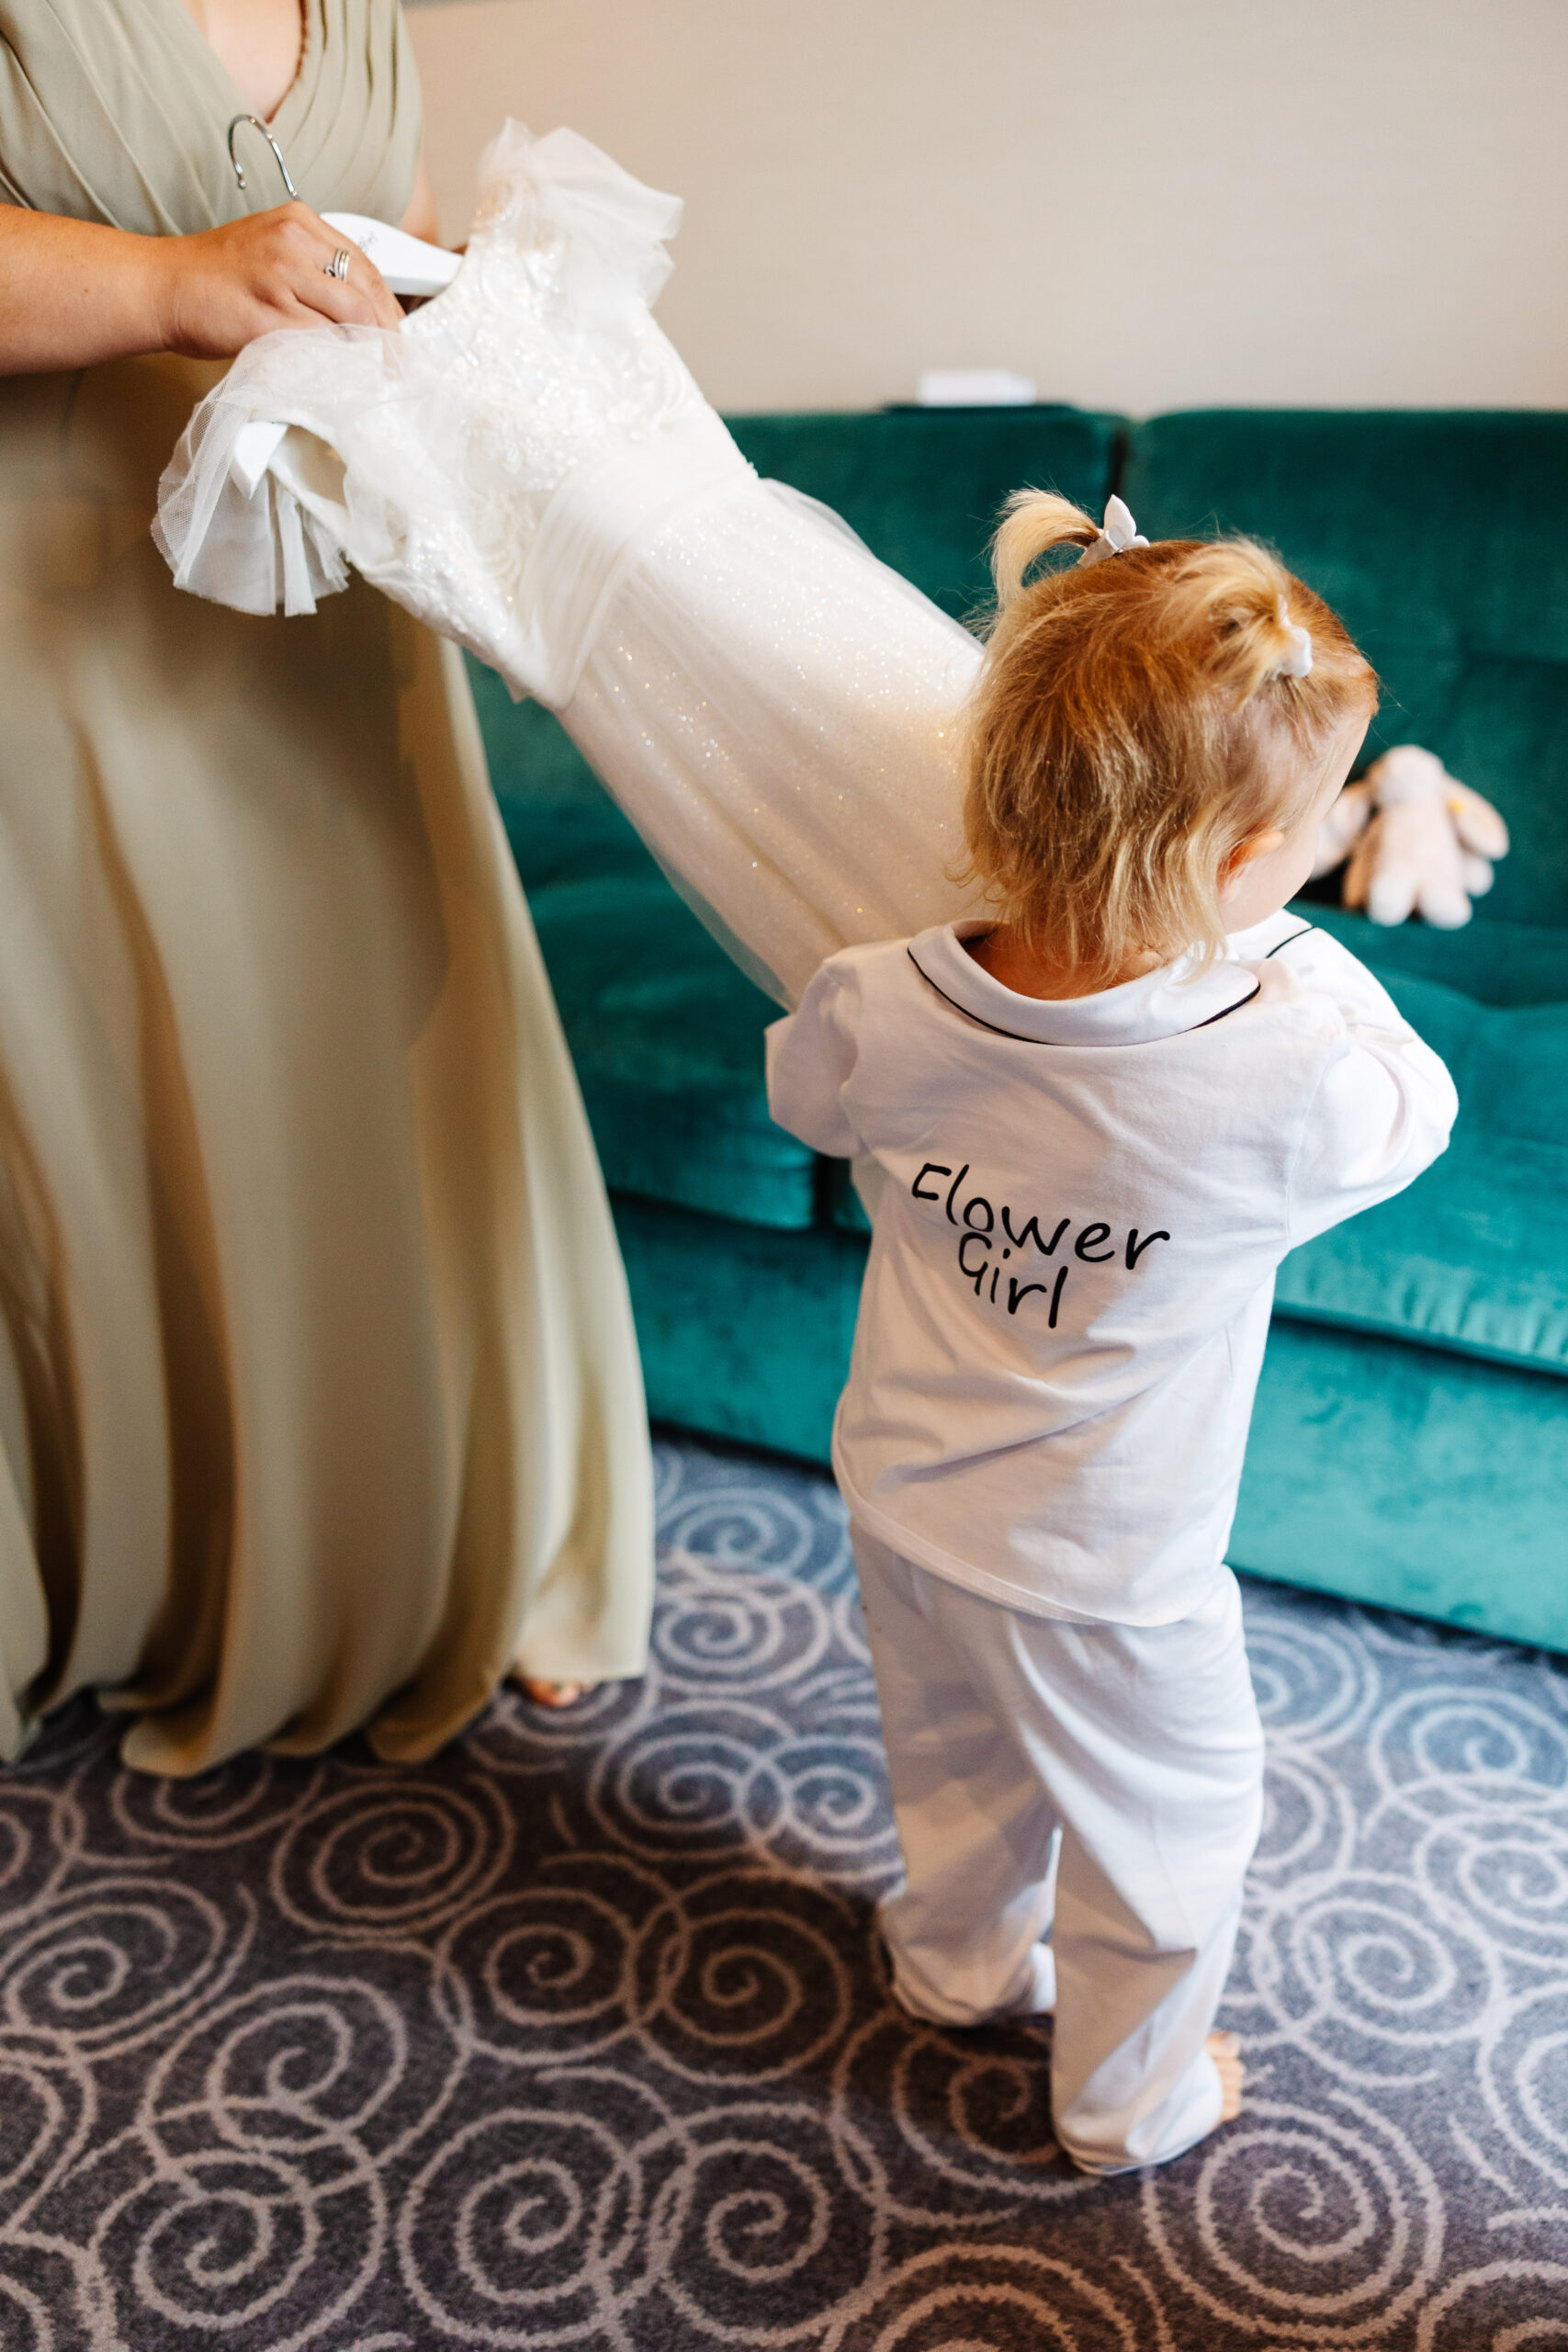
{"x":1099,"y":1785}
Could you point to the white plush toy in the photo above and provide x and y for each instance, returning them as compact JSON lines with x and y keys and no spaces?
{"x":1418,"y":841}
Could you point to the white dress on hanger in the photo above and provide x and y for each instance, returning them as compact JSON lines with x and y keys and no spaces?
{"x":529,"y":468}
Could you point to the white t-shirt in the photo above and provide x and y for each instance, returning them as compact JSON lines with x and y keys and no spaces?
{"x":1082,"y":1207}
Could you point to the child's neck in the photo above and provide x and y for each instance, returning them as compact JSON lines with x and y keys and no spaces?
{"x":1033,"y":970}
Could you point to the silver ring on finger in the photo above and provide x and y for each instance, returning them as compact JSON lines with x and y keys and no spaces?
{"x":338,"y":266}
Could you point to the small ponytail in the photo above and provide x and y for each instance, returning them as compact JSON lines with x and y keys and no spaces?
{"x":1234,"y":598}
{"x":1034,"y":521}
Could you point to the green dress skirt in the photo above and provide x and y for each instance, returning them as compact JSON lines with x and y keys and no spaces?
{"x":318,"y":1392}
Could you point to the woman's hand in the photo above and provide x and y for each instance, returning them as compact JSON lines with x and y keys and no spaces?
{"x":218,"y":290}
{"x":72,"y":292}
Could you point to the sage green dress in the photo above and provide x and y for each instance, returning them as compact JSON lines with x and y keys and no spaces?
{"x":318,"y":1392}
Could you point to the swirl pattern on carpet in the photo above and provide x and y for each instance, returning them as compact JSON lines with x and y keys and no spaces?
{"x":579,"y":2036}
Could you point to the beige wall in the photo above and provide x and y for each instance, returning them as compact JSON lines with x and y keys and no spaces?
{"x":1142,"y":204}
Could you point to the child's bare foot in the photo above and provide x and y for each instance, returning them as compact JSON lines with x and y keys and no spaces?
{"x":1224,"y":2049}
{"x":551,"y":1694}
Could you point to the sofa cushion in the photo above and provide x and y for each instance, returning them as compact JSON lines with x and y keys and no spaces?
{"x":1435,"y":537}
{"x":1474,"y":1256}
{"x":665,"y":1036}
{"x":1497,"y":962}
{"x":561,"y":823}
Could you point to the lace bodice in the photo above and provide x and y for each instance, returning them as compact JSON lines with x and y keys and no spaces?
{"x":564,"y":261}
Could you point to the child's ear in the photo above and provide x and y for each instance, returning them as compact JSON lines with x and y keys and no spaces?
{"x":1241,"y":857}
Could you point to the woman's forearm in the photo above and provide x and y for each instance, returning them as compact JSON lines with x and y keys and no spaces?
{"x":72,"y":292}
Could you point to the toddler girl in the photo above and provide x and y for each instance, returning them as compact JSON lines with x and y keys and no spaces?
{"x":1100,"y":1122}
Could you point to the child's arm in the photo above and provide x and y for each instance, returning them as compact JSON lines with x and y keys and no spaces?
{"x":811,"y":1057}
{"x":1384,"y":1102}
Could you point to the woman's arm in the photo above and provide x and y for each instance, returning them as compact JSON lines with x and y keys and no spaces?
{"x":72,"y":292}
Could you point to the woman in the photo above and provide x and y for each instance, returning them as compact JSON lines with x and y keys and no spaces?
{"x":319,"y":1397}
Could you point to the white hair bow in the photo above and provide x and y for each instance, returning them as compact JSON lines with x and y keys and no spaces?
{"x":1117,"y":534}
{"x":1297,"y":662}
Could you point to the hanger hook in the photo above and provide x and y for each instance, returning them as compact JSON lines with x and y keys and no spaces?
{"x":257,"y":124}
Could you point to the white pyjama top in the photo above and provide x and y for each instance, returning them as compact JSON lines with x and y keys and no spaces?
{"x":1082,"y":1208}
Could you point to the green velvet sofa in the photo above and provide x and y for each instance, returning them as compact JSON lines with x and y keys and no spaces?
{"x":1410,"y":1445}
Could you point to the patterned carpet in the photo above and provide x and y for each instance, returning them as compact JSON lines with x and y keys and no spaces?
{"x":580,"y":2036}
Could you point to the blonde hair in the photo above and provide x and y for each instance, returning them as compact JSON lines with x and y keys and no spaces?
{"x":1133,"y":725}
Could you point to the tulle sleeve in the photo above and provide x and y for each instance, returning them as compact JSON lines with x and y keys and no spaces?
{"x":260,"y":538}
{"x":601,"y":234}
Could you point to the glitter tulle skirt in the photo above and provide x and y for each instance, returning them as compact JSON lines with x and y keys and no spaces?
{"x":795,"y":776}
